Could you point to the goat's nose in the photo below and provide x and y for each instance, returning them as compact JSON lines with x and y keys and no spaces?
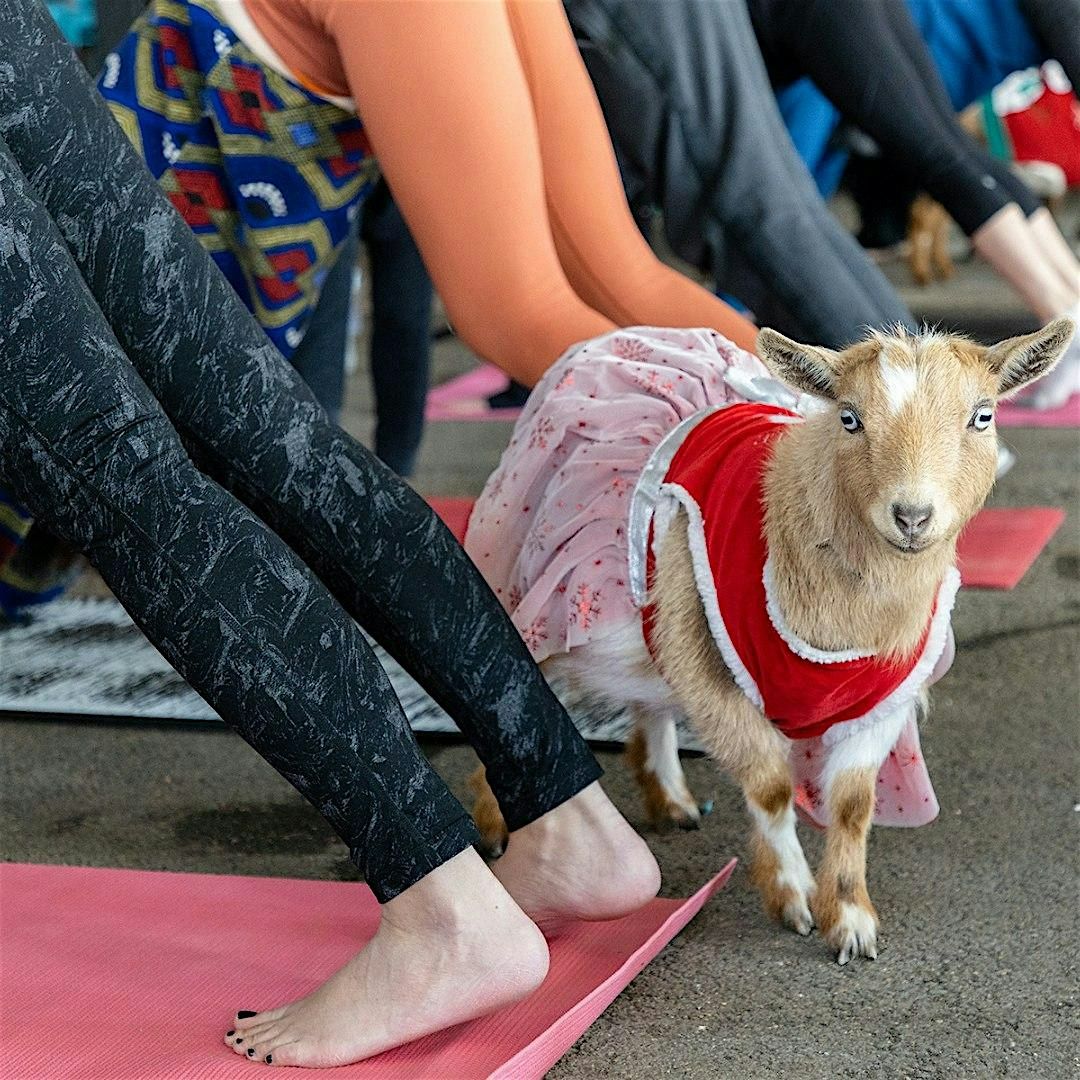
{"x":912,"y":521}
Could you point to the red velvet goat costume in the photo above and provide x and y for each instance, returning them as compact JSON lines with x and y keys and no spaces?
{"x":717,"y":476}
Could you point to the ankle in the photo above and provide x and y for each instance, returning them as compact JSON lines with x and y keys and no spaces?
{"x":454,"y":899}
{"x":585,"y":810}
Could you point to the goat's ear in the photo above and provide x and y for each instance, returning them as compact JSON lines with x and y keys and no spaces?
{"x":1023,"y":359}
{"x":807,"y":367}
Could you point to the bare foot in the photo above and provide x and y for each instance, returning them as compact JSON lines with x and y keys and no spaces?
{"x":451,"y":948}
{"x":581,"y":860}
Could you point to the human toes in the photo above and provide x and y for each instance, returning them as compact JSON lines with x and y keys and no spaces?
{"x":256,"y":1037}
{"x":237,"y":1041}
{"x":286,"y":1049}
{"x":246,"y":1019}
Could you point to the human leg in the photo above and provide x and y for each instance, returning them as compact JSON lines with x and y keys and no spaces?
{"x":88,"y":450}
{"x":716,"y":161}
{"x":254,"y":424}
{"x":1041,"y":244}
{"x":869,"y":60}
{"x":401,"y":299}
{"x":851,"y":51}
{"x":782,"y":226}
{"x":84,"y":444}
{"x":320,"y":356}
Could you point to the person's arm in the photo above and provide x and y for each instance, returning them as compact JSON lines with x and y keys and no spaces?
{"x":445,"y":103}
{"x":604,"y":255}
{"x":444,"y":97}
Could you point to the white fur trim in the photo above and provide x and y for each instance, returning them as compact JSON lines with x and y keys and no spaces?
{"x":791,"y":639}
{"x":865,"y":748}
{"x":906,"y":692}
{"x":706,"y":585}
{"x":644,"y":501}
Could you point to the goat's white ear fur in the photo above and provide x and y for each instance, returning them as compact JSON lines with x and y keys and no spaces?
{"x":1024,"y":359}
{"x":810,"y":368}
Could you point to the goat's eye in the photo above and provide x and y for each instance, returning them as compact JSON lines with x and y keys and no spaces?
{"x":850,"y":419}
{"x":981,"y":418}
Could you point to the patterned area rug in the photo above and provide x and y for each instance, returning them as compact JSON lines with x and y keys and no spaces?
{"x":86,"y":658}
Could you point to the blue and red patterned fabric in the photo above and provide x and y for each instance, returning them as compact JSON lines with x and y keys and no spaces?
{"x":268,"y":174}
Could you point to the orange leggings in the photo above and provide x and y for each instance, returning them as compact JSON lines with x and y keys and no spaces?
{"x":486,"y":126}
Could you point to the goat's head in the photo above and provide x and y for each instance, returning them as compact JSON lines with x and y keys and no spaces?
{"x":911,"y":421}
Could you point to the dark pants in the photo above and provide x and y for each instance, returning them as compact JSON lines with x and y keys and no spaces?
{"x":122,"y":352}
{"x":698,"y":134}
{"x":867,"y":58}
{"x":401,"y":298}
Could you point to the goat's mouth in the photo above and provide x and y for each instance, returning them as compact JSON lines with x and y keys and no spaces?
{"x":909,"y":547}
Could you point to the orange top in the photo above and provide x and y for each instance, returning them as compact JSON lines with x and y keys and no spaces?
{"x":488,"y":131}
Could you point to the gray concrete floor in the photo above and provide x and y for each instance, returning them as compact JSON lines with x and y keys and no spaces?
{"x":978,"y":968}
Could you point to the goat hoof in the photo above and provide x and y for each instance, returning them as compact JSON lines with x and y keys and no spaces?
{"x":855,"y":934}
{"x":797,"y":917}
{"x":665,"y":810}
{"x":490,"y":850}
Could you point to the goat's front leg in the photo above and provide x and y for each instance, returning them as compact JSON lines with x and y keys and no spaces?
{"x":736,"y":734}
{"x":778,"y":868}
{"x":842,"y":906}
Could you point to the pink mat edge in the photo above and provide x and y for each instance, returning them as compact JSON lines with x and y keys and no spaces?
{"x":481,"y":412}
{"x":1011,"y":415}
{"x":480,"y":381}
{"x":635,"y":963}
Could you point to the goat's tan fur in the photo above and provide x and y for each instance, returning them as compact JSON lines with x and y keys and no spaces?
{"x":842,"y":582}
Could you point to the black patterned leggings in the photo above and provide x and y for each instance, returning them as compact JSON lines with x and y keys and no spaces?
{"x":122,"y":352}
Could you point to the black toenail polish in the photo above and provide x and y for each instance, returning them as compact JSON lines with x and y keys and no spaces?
{"x":239,"y":1041}
{"x":229,"y":1034}
{"x":251,"y":1053}
{"x":269,"y":1059}
{"x":243,"y":1014}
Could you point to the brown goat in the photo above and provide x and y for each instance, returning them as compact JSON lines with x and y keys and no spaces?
{"x":863,"y":501}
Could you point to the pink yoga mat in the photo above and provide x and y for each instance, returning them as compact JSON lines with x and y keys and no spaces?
{"x":1011,"y":415}
{"x":134,"y":975}
{"x":465,"y":398}
{"x":999,"y":545}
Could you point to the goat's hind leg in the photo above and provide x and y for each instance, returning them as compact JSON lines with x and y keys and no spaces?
{"x":653,"y":753}
{"x":488,"y":817}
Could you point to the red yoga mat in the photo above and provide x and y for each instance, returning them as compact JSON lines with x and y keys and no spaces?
{"x":999,"y":545}
{"x":996,"y":550}
{"x":134,"y":975}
